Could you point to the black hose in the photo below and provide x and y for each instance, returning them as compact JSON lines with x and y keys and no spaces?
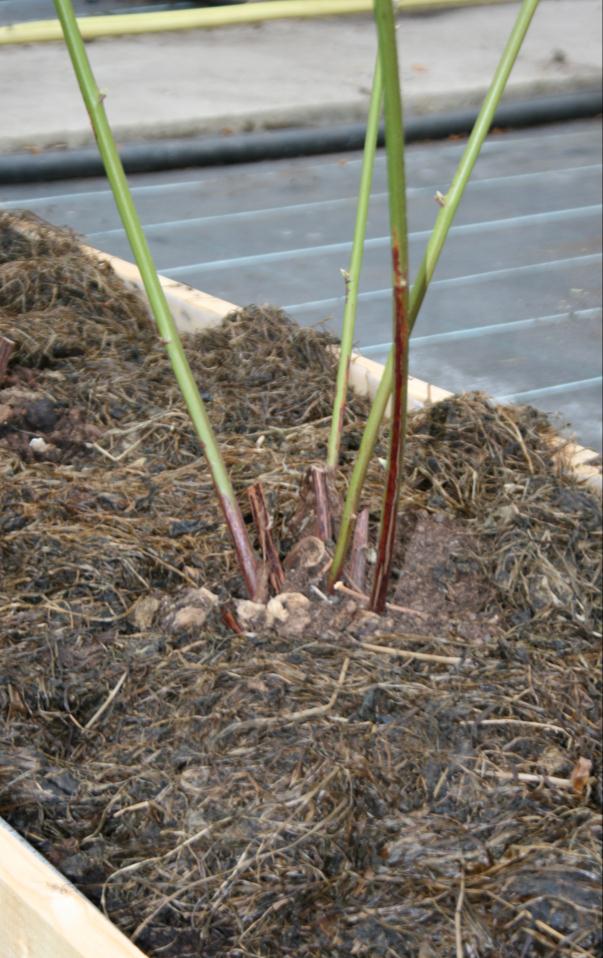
{"x":148,"y":157}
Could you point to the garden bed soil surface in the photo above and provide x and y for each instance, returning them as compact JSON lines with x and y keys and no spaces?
{"x":322,"y":782}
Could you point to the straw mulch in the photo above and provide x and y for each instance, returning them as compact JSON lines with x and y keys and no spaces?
{"x":331,"y":784}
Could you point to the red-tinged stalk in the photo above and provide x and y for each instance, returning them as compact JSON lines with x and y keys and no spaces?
{"x":396,"y":175}
{"x":425,"y":273}
{"x":166,"y":326}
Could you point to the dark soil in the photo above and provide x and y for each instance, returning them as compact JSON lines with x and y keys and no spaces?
{"x":322,"y":782}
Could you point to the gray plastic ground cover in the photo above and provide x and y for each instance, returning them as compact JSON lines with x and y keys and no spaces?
{"x":169,"y":196}
{"x":322,"y":223}
{"x":515,"y":308}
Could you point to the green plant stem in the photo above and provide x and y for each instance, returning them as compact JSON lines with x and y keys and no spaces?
{"x":396,"y":176}
{"x":353,"y":276}
{"x":156,"y":296}
{"x":426,"y":270}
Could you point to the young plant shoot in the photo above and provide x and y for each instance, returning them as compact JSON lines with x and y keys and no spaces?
{"x":166,"y":327}
{"x":425,"y":273}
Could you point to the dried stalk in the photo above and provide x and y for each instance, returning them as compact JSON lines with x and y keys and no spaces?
{"x":406,"y":654}
{"x":263,"y":524}
{"x":357,"y":565}
{"x":324,"y":519}
{"x":6,"y":350}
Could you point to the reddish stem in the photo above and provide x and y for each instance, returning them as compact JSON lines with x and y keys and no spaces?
{"x":248,"y":562}
{"x":263,"y":524}
{"x":230,"y":621}
{"x":387,"y":534}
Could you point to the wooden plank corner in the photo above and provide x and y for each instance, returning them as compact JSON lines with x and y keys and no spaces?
{"x":43,"y":916}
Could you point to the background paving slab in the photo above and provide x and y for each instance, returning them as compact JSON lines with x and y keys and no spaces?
{"x":287,"y":73}
{"x":515,"y":306}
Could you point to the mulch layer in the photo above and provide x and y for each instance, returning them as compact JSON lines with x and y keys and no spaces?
{"x":323,"y":781}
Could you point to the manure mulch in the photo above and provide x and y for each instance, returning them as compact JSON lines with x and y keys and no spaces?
{"x":425,"y":784}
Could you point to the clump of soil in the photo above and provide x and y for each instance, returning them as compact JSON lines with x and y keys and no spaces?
{"x":324,"y":782}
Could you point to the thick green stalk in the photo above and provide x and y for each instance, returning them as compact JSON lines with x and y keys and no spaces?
{"x":160,"y":309}
{"x":430,"y":259}
{"x":353,"y":277}
{"x":396,"y":176}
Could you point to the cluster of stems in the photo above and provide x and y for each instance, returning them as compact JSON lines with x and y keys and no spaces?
{"x":435,"y":245}
{"x":386,"y":97}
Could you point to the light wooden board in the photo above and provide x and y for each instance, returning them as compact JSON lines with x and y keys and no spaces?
{"x":43,"y":916}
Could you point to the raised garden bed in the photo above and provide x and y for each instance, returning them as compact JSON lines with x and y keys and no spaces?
{"x":303,"y":780}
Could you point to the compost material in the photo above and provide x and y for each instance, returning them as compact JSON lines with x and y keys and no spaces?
{"x":298,"y":777}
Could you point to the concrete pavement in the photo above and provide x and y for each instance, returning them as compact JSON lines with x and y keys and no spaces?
{"x":289,"y":73}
